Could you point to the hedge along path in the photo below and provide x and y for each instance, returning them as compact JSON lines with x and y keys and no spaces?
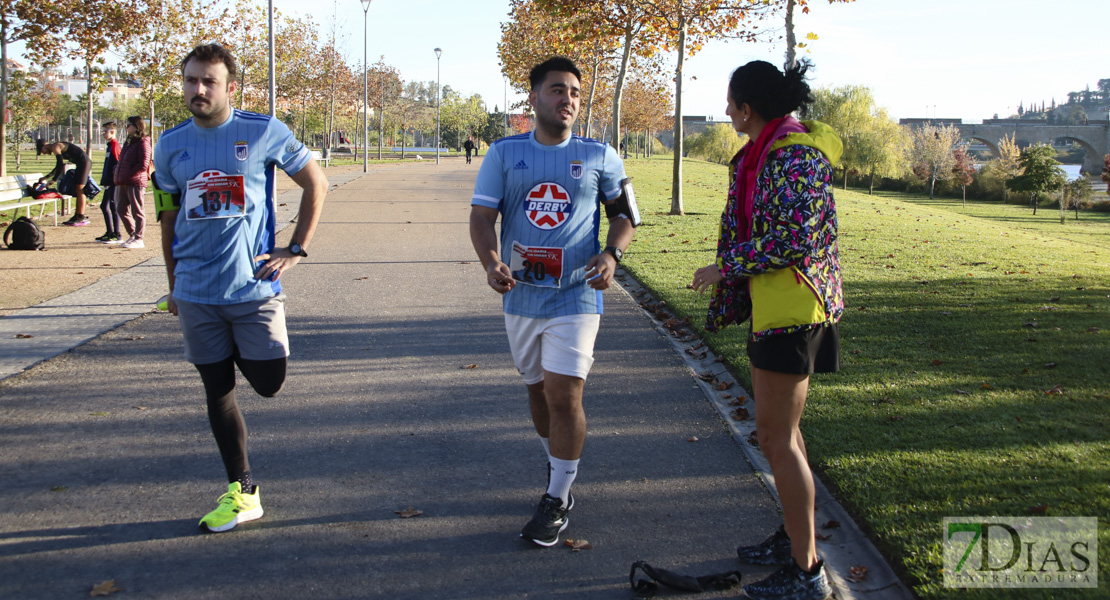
{"x":974,"y":353}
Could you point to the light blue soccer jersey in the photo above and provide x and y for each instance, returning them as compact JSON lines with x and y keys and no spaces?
{"x":224,"y":175}
{"x":549,"y":198}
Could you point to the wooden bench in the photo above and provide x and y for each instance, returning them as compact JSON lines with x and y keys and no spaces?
{"x":320,"y":158}
{"x":14,"y":195}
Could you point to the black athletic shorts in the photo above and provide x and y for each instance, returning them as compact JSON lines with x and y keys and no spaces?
{"x":806,"y":352}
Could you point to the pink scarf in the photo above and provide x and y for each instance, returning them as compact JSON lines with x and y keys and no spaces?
{"x":752,"y":158}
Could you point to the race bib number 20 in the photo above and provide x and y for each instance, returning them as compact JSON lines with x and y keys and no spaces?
{"x":535,"y":265}
{"x":215,"y":195}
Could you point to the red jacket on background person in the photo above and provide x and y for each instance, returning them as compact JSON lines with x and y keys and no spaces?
{"x":134,"y":163}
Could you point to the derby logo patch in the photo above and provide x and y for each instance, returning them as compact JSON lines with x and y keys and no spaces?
{"x":548,"y":206}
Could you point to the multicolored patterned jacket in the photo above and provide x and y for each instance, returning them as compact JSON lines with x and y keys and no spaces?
{"x":788,"y":273}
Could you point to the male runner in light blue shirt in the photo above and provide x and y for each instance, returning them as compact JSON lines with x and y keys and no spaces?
{"x":214,"y":176}
{"x":547,"y":186}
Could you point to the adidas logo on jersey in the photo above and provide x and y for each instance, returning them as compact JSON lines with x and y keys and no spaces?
{"x":184,"y":156}
{"x":520,"y":166}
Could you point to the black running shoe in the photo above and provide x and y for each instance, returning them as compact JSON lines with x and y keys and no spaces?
{"x":792,"y":583}
{"x":550,"y":520}
{"x":774,"y":550}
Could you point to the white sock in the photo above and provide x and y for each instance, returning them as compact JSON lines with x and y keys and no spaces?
{"x":563,"y":473}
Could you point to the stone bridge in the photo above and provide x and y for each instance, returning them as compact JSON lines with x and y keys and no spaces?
{"x":1093,"y":137}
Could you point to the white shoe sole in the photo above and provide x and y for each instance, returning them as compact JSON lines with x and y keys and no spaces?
{"x":242,"y":517}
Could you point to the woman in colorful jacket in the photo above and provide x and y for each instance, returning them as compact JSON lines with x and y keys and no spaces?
{"x":131,"y":179}
{"x":777,"y":262}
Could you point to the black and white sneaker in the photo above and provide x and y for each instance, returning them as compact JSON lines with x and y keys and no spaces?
{"x":792,"y":583}
{"x":774,"y":550}
{"x":550,"y":520}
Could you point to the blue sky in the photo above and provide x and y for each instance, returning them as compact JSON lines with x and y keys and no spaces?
{"x":949,"y":58}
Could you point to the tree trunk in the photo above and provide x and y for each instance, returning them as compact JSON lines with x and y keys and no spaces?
{"x":618,"y":90}
{"x":4,"y":98}
{"x":932,"y":185}
{"x":965,"y":196}
{"x":590,"y":101}
{"x":151,"y":121}
{"x":871,"y":192}
{"x":1033,"y":201}
{"x":676,"y":174}
{"x":381,"y":129}
{"x":89,"y":127}
{"x":791,"y":41}
{"x":845,"y":177}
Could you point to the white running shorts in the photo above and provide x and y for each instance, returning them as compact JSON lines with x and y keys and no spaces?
{"x":563,"y":345}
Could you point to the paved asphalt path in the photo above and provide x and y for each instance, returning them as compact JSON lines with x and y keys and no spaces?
{"x":107,"y":461}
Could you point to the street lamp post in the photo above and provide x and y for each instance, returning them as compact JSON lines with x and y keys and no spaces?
{"x":506,"y":108}
{"x":439,"y":95}
{"x":365,"y":87}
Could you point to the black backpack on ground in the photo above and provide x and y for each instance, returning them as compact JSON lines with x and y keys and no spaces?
{"x":25,"y":235}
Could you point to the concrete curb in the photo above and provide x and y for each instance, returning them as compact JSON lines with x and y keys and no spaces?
{"x":846,"y":546}
{"x":63,"y":323}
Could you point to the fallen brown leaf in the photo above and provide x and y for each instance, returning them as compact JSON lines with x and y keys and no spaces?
{"x":1056,"y":390}
{"x":693,"y":439}
{"x":857,"y":574}
{"x":830,"y":524}
{"x":722,"y":386}
{"x":1039,"y":510}
{"x":753,"y":439}
{"x":469,"y":367}
{"x":936,"y":363}
{"x":104,"y":588}
{"x":820,"y":536}
{"x":741,"y":414}
{"x":23,"y":336}
{"x":576,"y":545}
{"x":896,"y":417}
{"x":361,"y":278}
{"x":408,"y":513}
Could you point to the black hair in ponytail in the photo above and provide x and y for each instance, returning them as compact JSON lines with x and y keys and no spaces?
{"x":770,"y":92}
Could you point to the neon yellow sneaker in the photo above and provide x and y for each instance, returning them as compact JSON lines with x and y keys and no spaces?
{"x":235,"y":507}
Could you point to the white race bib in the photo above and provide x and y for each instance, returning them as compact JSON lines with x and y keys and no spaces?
{"x":215,"y":195}
{"x":536,"y":265}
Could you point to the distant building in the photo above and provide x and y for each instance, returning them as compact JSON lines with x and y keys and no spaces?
{"x":941,"y":122}
{"x":116,"y":87}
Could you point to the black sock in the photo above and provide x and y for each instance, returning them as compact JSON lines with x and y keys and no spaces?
{"x":245,"y":482}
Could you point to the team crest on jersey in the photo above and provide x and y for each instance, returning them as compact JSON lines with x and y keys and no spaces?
{"x":241,"y":150}
{"x":576,"y":169}
{"x":548,"y":206}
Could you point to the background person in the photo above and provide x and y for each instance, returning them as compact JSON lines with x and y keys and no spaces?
{"x":131,"y":180}
{"x":67,"y":151}
{"x":777,"y":261}
{"x":217,"y":216}
{"x":107,"y":181}
{"x":546,"y":185}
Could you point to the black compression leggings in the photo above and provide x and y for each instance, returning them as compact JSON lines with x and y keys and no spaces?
{"x":265,"y":376}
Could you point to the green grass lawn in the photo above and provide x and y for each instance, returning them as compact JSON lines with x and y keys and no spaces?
{"x":975,"y":377}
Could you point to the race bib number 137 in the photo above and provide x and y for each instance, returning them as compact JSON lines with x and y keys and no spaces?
{"x":535,"y":265}
{"x":215,"y":195}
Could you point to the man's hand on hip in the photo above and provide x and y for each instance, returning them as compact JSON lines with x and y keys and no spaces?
{"x":277,"y":262}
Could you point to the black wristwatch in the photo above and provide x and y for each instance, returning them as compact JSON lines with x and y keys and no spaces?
{"x":296,"y":249}
{"x":616,"y":252}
